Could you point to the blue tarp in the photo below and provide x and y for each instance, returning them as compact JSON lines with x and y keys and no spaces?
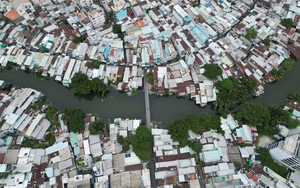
{"x":208,"y":5}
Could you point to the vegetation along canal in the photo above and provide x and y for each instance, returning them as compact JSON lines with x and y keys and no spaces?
{"x":163,"y":109}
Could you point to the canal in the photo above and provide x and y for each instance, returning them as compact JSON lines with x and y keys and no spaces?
{"x":163,"y":109}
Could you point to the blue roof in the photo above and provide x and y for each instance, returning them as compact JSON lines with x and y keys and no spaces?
{"x":107,"y":50}
{"x":9,"y":140}
{"x":74,"y":142}
{"x":122,"y":14}
{"x":208,"y":5}
{"x":296,"y":113}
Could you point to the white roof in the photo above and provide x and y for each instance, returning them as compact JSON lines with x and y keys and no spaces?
{"x":56,"y":147}
{"x":86,"y":147}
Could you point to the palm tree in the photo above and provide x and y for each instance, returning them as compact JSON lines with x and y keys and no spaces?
{"x":294,"y":97}
{"x":278,"y":115}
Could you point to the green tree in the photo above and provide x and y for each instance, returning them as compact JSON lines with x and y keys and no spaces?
{"x":120,"y":139}
{"x":117,"y":29}
{"x":193,"y":121}
{"x":277,"y":74}
{"x":292,"y":123}
{"x":278,"y":115}
{"x":142,"y":143}
{"x":226,"y":84}
{"x":294,"y":97}
{"x":99,"y":127}
{"x":94,"y":64}
{"x":50,"y":139}
{"x":98,"y":86}
{"x":211,"y":122}
{"x":266,"y":41}
{"x":75,"y":120}
{"x":251,"y":33}
{"x":249,"y":54}
{"x":80,"y":39}
{"x":150,"y":77}
{"x":223,"y":112}
{"x":253,"y":114}
{"x":178,"y":130}
{"x":52,"y":113}
{"x":80,"y":84}
{"x":288,"y":22}
{"x":212,"y":71}
{"x":269,"y":162}
{"x":287,"y":64}
{"x":239,"y":93}
{"x":195,"y":145}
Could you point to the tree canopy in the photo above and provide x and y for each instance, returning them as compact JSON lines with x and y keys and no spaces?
{"x":284,"y":67}
{"x":212,"y":71}
{"x":266,"y":41}
{"x":80,"y":39}
{"x":52,"y":114}
{"x":253,"y":114}
{"x":287,"y":64}
{"x":99,"y":127}
{"x":117,"y":28}
{"x":75,"y":120}
{"x":179,"y":128}
{"x":251,"y":33}
{"x":142,"y":142}
{"x":288,"y":22}
{"x":81,"y":85}
{"x":94,"y":64}
{"x":294,"y":97}
{"x":195,"y":145}
{"x":150,"y":77}
{"x":269,"y":162}
{"x":233,"y":92}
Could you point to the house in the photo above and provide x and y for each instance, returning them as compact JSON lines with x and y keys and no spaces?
{"x":13,"y":16}
{"x":24,"y":8}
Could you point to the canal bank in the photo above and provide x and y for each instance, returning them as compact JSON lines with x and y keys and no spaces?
{"x":163,"y":109}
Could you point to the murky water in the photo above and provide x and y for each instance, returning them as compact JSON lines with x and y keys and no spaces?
{"x":163,"y":109}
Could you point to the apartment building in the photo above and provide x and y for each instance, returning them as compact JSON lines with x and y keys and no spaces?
{"x":24,"y":8}
{"x":97,"y":17}
{"x":86,"y":3}
{"x":286,"y":152}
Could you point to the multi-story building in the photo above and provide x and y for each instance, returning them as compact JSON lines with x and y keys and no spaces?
{"x":181,"y":15}
{"x":287,"y":152}
{"x":86,"y":3}
{"x":24,"y":8}
{"x":97,"y":17}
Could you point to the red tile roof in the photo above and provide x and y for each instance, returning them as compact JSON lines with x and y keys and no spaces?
{"x":12,"y":15}
{"x":253,"y":177}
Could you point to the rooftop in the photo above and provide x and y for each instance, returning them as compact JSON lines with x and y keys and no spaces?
{"x":12,"y":14}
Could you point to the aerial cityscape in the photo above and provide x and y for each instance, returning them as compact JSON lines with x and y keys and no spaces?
{"x":149,"y":94}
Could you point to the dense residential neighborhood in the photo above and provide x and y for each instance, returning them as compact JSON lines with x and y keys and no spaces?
{"x":213,"y":52}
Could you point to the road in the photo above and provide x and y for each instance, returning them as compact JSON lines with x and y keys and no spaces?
{"x":147,"y":104}
{"x":152,"y":173}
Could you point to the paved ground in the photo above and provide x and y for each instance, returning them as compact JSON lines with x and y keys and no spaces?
{"x":152,"y":173}
{"x":294,"y":131}
{"x":264,"y":141}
